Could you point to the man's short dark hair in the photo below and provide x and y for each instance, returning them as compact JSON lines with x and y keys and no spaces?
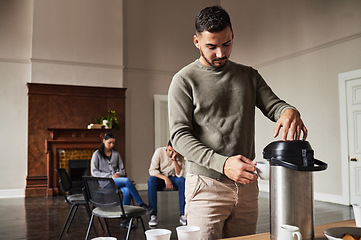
{"x":212,"y":19}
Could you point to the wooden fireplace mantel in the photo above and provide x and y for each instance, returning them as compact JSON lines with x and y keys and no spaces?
{"x":58,"y":116}
{"x":76,"y":134}
{"x":67,"y":139}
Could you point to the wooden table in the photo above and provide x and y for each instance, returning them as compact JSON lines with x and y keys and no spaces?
{"x":318,"y":231}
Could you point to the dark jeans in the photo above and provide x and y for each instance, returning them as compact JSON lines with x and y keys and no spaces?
{"x":155,"y":184}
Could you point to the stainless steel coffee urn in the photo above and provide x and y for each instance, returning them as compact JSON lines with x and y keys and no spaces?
{"x":291,"y":187}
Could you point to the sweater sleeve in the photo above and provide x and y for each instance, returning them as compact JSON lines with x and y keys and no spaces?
{"x":268,"y":102}
{"x":154,"y":168}
{"x":181,"y":163}
{"x":180,"y":108}
{"x":120,"y":169}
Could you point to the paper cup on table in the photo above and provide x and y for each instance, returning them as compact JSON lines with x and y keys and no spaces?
{"x":188,"y":233}
{"x":158,"y":234}
{"x":104,"y":238}
{"x":357,"y":213}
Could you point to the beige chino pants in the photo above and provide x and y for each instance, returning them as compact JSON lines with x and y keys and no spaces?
{"x":221,"y":208}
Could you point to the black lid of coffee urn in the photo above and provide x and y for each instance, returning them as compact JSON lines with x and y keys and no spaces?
{"x":297,"y":155}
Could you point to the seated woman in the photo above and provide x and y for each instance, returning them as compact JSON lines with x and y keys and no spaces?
{"x":106,"y":162}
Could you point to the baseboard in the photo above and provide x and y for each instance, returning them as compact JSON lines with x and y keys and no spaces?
{"x":331,"y":198}
{"x":264,"y":187}
{"x":12,"y":193}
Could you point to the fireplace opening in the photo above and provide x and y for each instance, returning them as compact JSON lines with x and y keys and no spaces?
{"x":77,"y":163}
{"x":77,"y":169}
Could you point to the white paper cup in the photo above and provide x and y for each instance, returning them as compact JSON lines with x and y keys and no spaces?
{"x":158,"y":234}
{"x":263,"y":170}
{"x":357,"y":213}
{"x":188,"y":232}
{"x":104,"y":238}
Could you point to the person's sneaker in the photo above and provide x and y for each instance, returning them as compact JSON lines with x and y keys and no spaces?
{"x":183,"y":220}
{"x":124,"y":223}
{"x":153,"y":221}
{"x":148,"y":210}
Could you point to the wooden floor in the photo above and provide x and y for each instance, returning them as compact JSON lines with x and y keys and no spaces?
{"x":43,"y":218}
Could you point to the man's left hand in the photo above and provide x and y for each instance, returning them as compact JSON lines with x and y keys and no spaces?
{"x":174,"y":156}
{"x":292,"y":125}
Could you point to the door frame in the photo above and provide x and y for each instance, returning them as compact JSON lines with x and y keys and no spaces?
{"x":161,"y":125}
{"x":342,"y":80}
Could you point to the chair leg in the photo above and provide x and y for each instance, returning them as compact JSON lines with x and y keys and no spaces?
{"x":87,"y":208}
{"x":89,"y":211}
{"x":129,"y":228}
{"x":101,"y":225}
{"x":66,"y":221}
{"x":107,"y":224}
{"x":89,"y":227}
{"x":72,"y":217}
{"x":141,"y":220}
{"x":95,"y":230}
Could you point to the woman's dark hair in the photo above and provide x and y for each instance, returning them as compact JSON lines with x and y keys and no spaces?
{"x":106,"y":137}
{"x":169,"y":143}
{"x":212,"y":19}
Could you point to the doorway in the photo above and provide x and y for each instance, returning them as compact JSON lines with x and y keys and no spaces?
{"x":161,"y":126}
{"x":350,"y":117}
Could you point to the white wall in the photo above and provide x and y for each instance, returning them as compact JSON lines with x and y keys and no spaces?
{"x":15,"y":42}
{"x":300,"y":47}
{"x":78,"y":42}
{"x":57,"y":42}
{"x":158,"y":36}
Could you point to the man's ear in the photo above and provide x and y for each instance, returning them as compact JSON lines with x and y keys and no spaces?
{"x":196,"y":41}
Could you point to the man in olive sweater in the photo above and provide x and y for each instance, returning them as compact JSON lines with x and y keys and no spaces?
{"x":212,"y":105}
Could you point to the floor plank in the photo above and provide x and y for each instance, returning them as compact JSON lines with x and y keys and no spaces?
{"x":43,"y":218}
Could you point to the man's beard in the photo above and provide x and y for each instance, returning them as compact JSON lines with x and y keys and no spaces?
{"x":216,"y":59}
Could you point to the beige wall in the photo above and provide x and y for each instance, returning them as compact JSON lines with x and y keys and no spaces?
{"x":15,"y":50}
{"x":57,"y":42}
{"x":158,"y":40}
{"x":298,"y":47}
{"x":78,"y":42}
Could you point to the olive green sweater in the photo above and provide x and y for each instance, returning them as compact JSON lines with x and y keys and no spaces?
{"x":212,"y":114}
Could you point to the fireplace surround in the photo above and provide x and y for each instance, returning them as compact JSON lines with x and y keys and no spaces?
{"x":58,"y":116}
{"x":67,"y":139}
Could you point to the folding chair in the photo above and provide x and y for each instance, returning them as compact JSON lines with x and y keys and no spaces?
{"x":106,"y":197}
{"x":74,"y":200}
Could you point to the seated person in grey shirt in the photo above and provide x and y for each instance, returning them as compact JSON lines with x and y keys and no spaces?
{"x":106,"y":162}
